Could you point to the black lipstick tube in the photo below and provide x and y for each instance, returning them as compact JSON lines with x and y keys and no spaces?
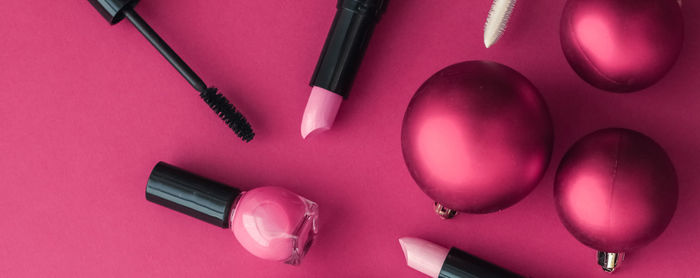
{"x":460,"y":264}
{"x":346,"y":44}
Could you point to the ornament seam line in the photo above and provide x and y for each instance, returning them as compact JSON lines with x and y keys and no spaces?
{"x":585,"y":56}
{"x":616,"y":167}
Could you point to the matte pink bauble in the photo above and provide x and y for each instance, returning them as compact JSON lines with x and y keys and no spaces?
{"x":477,"y":137}
{"x":616,"y":190}
{"x":621,"y":45}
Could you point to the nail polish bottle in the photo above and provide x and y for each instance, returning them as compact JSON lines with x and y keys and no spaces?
{"x":270,"y":222}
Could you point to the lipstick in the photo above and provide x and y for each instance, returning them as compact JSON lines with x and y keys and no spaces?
{"x":270,"y":222}
{"x":340,"y":59}
{"x":439,"y":262}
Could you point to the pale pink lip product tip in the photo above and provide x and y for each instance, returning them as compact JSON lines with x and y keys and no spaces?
{"x":423,"y":256}
{"x":320,"y":111}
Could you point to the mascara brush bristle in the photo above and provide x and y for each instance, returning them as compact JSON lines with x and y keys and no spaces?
{"x":497,"y":20}
{"x":225,"y":110}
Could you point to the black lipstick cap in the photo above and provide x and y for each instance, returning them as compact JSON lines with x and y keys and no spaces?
{"x":191,"y":194}
{"x":460,"y":264}
{"x":346,"y":44}
{"x":111,"y":10}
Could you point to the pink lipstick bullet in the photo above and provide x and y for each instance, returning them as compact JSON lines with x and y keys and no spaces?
{"x":340,"y":59}
{"x":272,"y":223}
{"x":436,"y":261}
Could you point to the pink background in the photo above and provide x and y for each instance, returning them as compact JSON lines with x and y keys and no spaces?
{"x":88,"y":109}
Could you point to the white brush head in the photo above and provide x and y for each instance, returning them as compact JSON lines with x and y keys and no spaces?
{"x":497,"y":20}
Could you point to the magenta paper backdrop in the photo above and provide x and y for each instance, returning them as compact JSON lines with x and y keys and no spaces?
{"x":88,"y":109}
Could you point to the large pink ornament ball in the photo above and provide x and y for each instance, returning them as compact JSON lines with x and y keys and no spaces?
{"x":616,"y":190}
{"x":477,"y":137}
{"x":621,"y":45}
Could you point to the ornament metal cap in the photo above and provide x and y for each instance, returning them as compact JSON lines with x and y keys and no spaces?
{"x":444,"y":212}
{"x":610,"y":261}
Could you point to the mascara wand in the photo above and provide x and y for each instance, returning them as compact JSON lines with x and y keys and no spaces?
{"x":116,"y":10}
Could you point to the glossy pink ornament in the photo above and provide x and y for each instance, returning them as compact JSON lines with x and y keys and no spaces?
{"x":621,"y":45}
{"x":476,"y":137}
{"x":615,"y":190}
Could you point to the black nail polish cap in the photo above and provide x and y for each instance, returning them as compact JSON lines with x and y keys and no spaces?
{"x":111,"y":10}
{"x":196,"y":196}
{"x":346,"y":44}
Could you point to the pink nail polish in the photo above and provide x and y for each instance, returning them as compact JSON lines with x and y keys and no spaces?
{"x":270,"y":222}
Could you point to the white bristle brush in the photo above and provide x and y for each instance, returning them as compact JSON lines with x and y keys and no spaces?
{"x":497,"y":20}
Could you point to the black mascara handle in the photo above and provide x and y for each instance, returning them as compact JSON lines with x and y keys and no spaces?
{"x":165,"y":49}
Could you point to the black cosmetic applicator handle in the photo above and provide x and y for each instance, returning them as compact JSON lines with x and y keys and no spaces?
{"x":115,"y":11}
{"x":164,"y":49}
